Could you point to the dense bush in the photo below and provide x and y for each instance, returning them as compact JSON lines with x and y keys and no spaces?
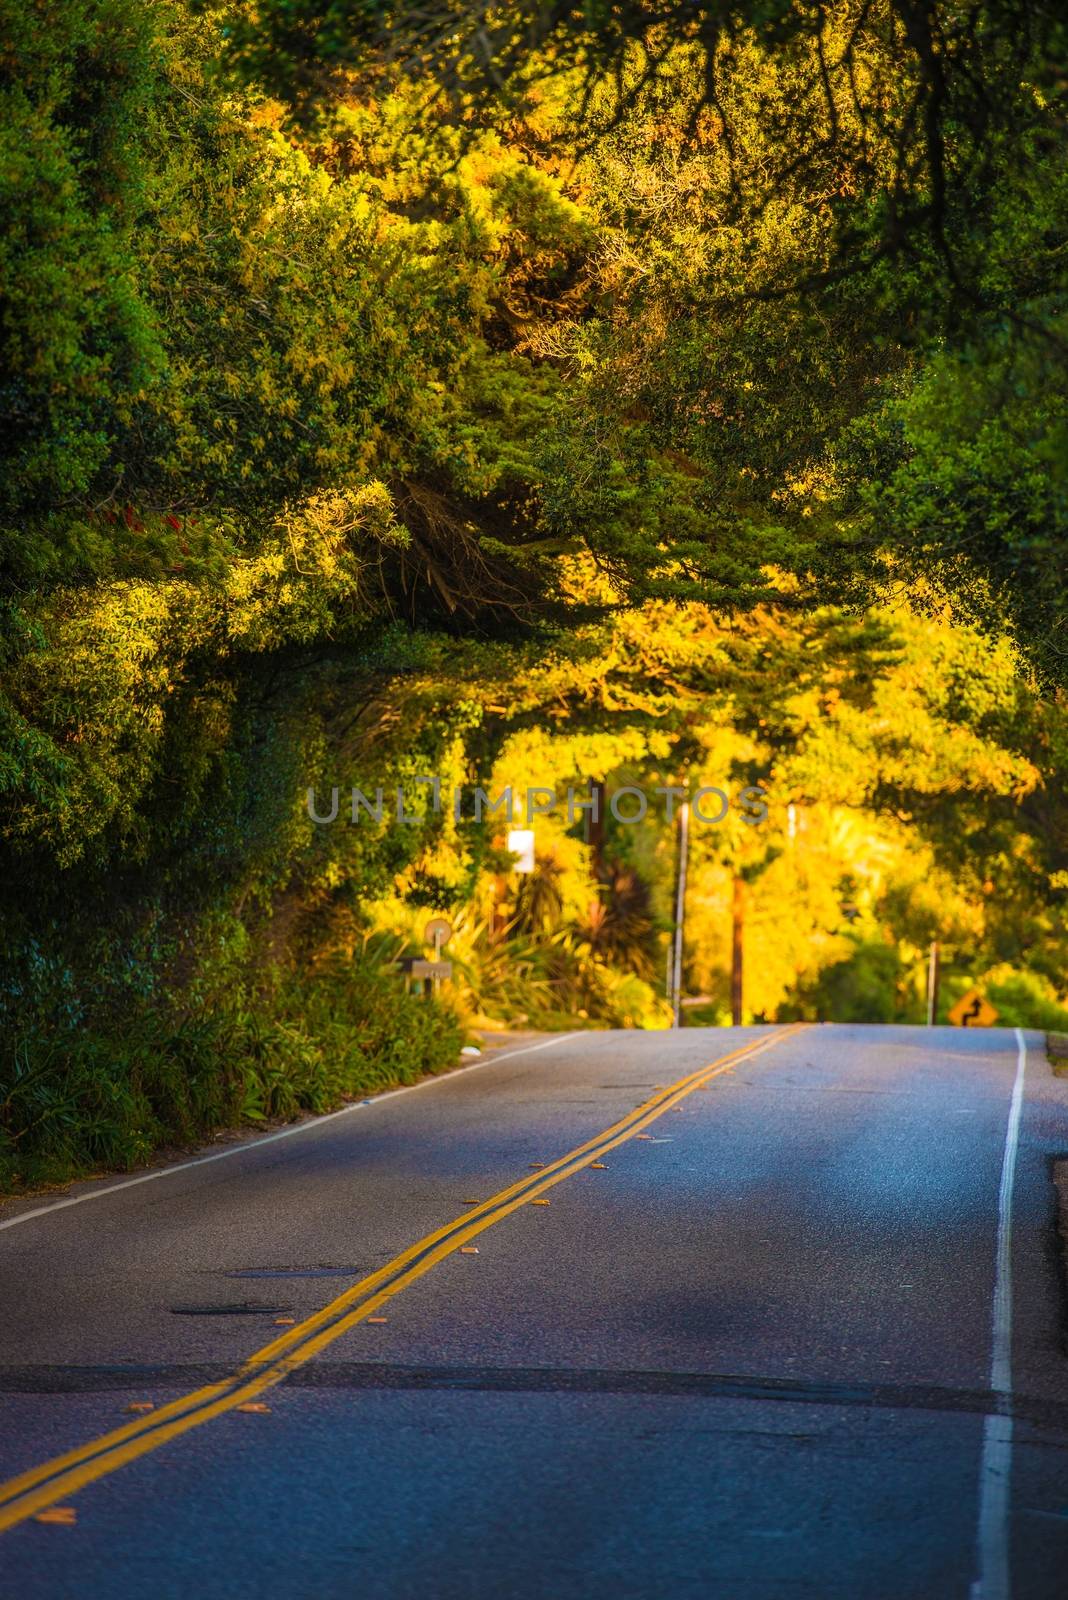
{"x":82,"y":1100}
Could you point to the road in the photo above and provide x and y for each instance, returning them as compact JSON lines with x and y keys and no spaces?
{"x":792,"y":1329}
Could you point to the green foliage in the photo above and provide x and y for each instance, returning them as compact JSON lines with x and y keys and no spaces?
{"x":1024,"y":1000}
{"x":871,"y":984}
{"x":75,"y":333}
{"x":434,"y":434}
{"x":76,"y":1101}
{"x":964,"y":478}
{"x":930,"y":89}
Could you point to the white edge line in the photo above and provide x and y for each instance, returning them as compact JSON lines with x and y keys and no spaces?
{"x":285,"y":1133}
{"x":993,"y":1581}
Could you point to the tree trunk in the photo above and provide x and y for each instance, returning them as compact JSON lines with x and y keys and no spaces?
{"x":737,"y":957}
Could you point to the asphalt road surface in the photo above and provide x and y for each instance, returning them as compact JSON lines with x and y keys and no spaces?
{"x":553,"y":1328}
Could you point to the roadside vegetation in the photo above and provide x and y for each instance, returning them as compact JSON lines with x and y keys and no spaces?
{"x":681,"y":403}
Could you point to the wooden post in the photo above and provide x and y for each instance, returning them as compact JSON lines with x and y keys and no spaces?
{"x":737,"y":950}
{"x":933,"y":965}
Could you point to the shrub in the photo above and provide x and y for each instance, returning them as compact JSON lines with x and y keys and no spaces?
{"x":74,"y":1102}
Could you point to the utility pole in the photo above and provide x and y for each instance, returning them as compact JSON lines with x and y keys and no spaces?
{"x":593,"y":825}
{"x":680,"y":914}
{"x":933,"y":964}
{"x":737,"y":949}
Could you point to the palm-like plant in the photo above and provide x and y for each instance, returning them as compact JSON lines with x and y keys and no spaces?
{"x":619,"y":923}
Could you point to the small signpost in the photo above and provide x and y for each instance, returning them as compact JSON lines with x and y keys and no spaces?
{"x":417,"y":967}
{"x":437,"y":932}
{"x":972,"y":1010}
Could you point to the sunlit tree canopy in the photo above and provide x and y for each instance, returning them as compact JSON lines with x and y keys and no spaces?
{"x":624,"y":393}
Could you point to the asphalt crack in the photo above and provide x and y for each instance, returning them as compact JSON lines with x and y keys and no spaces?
{"x":1038,"y":1411}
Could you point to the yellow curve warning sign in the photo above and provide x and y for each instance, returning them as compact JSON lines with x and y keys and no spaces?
{"x":972,"y":1010}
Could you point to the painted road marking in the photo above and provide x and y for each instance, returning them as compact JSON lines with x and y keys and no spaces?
{"x":41,"y":1486}
{"x":995,"y":1466}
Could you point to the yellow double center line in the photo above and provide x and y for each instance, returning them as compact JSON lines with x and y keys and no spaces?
{"x":54,"y":1480}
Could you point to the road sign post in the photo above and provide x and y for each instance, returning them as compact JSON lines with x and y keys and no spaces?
{"x":932,"y":983}
{"x":437,"y":932}
{"x":430,"y":974}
